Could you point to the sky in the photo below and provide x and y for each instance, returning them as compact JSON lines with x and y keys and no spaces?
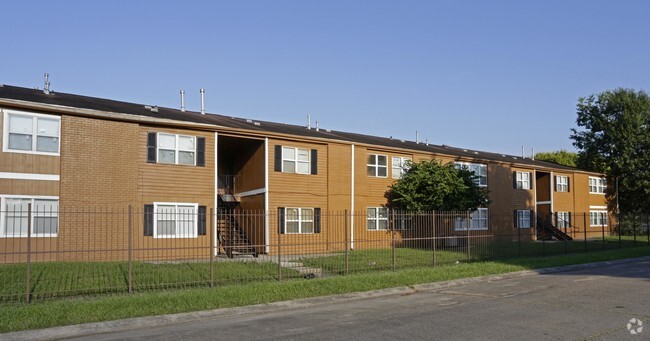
{"x":485,"y":75}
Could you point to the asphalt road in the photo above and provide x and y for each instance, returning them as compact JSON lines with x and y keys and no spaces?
{"x":594,"y":303}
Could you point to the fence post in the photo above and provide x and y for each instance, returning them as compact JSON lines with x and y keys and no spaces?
{"x":620,"y":222}
{"x":634,"y":229}
{"x":345,"y":232}
{"x":584,"y":230}
{"x":469,"y":244}
{"x":212,"y":235}
{"x":279,"y":249}
{"x":602,"y":225}
{"x":392,"y":239}
{"x":29,"y":253}
{"x":518,"y":237}
{"x":435,"y":238}
{"x":565,"y":226}
{"x":647,"y":226}
{"x":130,"y":248}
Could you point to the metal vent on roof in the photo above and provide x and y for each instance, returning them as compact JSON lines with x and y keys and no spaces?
{"x":257,"y":123}
{"x":152,"y":108}
{"x":249,"y":120}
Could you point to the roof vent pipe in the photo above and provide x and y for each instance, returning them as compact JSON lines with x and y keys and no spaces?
{"x":316,"y":125}
{"x":308,"y":121}
{"x":532,"y":153}
{"x":183,"y":100}
{"x":417,"y":137}
{"x":46,"y":88}
{"x":202,"y":101}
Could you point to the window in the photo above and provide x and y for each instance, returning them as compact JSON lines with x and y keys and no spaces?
{"x":299,"y":220}
{"x":478,"y":220}
{"x":175,"y":220}
{"x":31,"y":133}
{"x":523,"y":180}
{"x":176,"y":149}
{"x":563,"y":219}
{"x":597,"y":185}
{"x":598,"y":218}
{"x":377,"y":218}
{"x":377,"y":165}
{"x":400,"y":166}
{"x":14,"y":212}
{"x":295,"y":160}
{"x":523,"y":218}
{"x":561,"y":183}
{"x":480,"y":171}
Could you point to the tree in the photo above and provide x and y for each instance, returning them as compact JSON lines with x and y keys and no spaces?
{"x":430,"y":185}
{"x":561,"y":157}
{"x":614,"y":138}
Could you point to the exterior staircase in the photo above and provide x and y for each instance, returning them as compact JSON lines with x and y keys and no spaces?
{"x":232,"y":236}
{"x":547,"y":231}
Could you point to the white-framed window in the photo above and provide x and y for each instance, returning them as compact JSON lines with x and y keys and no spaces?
{"x":31,"y":133}
{"x":478,"y":220}
{"x":176,"y":149}
{"x":479,"y":169}
{"x":175,"y":220}
{"x":561,"y":183}
{"x":377,"y":218}
{"x":523,"y":180}
{"x":598,"y":218}
{"x":296,"y":160}
{"x":563,"y":219}
{"x":400,"y":165}
{"x":298,"y":220}
{"x":377,"y":165}
{"x":14,"y":216}
{"x":524,"y":219}
{"x":597,"y":185}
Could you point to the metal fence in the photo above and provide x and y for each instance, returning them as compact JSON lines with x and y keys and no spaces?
{"x":68,"y":252}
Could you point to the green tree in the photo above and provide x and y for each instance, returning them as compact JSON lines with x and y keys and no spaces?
{"x":613,"y":137}
{"x":430,"y":185}
{"x":561,"y":157}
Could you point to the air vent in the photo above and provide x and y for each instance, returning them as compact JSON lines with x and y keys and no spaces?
{"x":249,"y":121}
{"x":257,"y":123}
{"x":152,"y":108}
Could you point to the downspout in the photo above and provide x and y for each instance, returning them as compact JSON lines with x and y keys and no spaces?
{"x":266,"y":195}
{"x":216,"y":194}
{"x":352,"y":202}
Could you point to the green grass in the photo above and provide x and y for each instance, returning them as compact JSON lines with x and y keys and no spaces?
{"x":65,"y":279}
{"x":49,"y":313}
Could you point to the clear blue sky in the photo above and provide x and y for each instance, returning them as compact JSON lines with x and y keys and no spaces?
{"x":487,"y":75}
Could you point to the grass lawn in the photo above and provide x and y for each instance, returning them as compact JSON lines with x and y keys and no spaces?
{"x":48,"y":313}
{"x":65,"y":279}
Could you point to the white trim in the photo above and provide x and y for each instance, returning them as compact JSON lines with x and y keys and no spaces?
{"x":400,"y":166}
{"x":376,"y":219}
{"x":551,"y":191}
{"x":468,"y":165}
{"x":266,"y":196}
{"x":598,"y":186}
{"x":469,"y":223}
{"x":295,"y":160}
{"x":195,"y":229}
{"x":5,"y":133}
{"x":548,"y":202}
{"x":352,"y":200}
{"x":251,"y":192}
{"x":377,"y":166}
{"x":598,"y":207}
{"x":300,"y":219}
{"x":216,"y":195}
{"x":29,"y":176}
{"x":177,"y":150}
{"x":3,"y":212}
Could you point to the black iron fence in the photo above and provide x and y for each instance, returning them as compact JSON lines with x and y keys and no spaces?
{"x":64,"y":252}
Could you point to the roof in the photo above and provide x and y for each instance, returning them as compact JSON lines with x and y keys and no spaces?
{"x":113,"y":106}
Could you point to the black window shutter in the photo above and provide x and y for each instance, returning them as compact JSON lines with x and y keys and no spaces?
{"x":514,"y":180}
{"x":278,"y":158}
{"x":568,"y":224}
{"x":148,"y":220}
{"x":202,"y":220}
{"x":568,"y":184}
{"x":317,"y":220}
{"x":281,"y":219}
{"x":532,"y":218}
{"x":151,"y":147}
{"x":530,"y":180}
{"x":516,"y":220}
{"x":556,"y":183}
{"x":200,"y":151}
{"x":314,"y":161}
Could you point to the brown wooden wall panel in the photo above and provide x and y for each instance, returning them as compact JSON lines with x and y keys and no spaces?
{"x":29,"y":187}
{"x":251,"y":169}
{"x":563,"y":201}
{"x":27,"y":163}
{"x":14,"y":250}
{"x":175,"y":183}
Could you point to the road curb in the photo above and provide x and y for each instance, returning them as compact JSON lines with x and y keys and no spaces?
{"x":87,"y":329}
